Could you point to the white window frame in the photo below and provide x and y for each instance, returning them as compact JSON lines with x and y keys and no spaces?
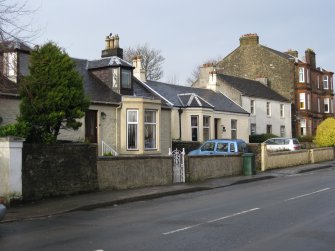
{"x":152,"y":124}
{"x":325,"y":82}
{"x":303,"y":127}
{"x":301,"y":75}
{"x":282,"y":131}
{"x":195,"y":127}
{"x":252,"y":128}
{"x":302,"y":101}
{"x":206,"y":127}
{"x":282,"y":111}
{"x":9,"y":64}
{"x":233,"y":128}
{"x":326,"y":104}
{"x":136,"y":130}
{"x":252,"y":107}
{"x":268,"y":109}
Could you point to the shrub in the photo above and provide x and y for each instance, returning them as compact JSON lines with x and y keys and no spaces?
{"x":19,"y":129}
{"x":306,"y":138}
{"x":325,"y":133}
{"x":260,"y":138}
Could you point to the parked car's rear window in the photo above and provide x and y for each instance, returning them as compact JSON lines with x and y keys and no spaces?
{"x":222,"y":147}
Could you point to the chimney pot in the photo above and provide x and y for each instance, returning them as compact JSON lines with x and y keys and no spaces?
{"x":249,"y":39}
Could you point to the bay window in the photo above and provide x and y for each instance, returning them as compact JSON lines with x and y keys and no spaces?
{"x":132,"y":129}
{"x":206,"y":126}
{"x":302,"y":101}
{"x":326,"y":105}
{"x":150,"y":129}
{"x":194,"y":128}
{"x":325,"y":82}
{"x":301,"y":75}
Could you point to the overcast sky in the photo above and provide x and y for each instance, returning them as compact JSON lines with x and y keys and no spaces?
{"x":187,"y":32}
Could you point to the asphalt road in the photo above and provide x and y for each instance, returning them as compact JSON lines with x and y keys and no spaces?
{"x":287,"y":213}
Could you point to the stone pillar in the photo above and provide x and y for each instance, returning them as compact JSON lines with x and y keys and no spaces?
{"x":11,"y":168}
{"x":311,"y":156}
{"x":264,"y":157}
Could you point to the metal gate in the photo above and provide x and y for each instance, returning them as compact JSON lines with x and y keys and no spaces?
{"x":178,"y":165}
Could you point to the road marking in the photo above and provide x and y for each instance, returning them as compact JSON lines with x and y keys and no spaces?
{"x":232,"y":215}
{"x":307,"y":194}
{"x":210,"y":221}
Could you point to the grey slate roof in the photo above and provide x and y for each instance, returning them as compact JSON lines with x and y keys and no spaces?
{"x":14,"y":45}
{"x":94,"y":88}
{"x":279,"y":53}
{"x":207,"y":98}
{"x":252,"y":88}
{"x":108,"y":61}
{"x":99,"y":92}
{"x":8,"y":87}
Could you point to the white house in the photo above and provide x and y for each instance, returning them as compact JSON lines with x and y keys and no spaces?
{"x":269,"y":111}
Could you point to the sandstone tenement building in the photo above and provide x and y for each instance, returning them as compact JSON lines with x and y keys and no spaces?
{"x":308,"y":87}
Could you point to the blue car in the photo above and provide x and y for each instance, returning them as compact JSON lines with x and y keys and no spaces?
{"x":221,"y":147}
{"x":2,"y":211}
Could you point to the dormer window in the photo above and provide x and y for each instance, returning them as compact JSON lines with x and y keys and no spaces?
{"x":126,"y":79}
{"x":9,"y":64}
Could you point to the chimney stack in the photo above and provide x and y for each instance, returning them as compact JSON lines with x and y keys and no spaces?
{"x":212,"y":81}
{"x":249,"y":39}
{"x":292,"y":53}
{"x":138,"y":72}
{"x":310,"y":58}
{"x":112,"y":47}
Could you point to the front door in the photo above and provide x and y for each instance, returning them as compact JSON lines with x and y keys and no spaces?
{"x":91,"y":126}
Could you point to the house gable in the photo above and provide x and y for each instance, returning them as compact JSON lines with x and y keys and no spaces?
{"x":254,"y":60}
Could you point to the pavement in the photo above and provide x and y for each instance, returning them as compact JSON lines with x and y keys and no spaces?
{"x":60,"y":205}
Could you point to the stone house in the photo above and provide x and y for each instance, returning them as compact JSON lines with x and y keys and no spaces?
{"x":269,"y":111}
{"x":14,"y":57}
{"x":309,"y":88}
{"x":125,"y":117}
{"x":200,"y":114}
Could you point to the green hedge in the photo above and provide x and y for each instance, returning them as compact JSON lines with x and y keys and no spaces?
{"x":260,"y":138}
{"x":18,"y":130}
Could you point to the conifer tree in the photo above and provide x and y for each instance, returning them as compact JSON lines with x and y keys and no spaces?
{"x":52,"y":96}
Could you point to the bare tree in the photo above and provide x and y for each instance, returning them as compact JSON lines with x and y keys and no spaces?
{"x":152,"y":60}
{"x":196,"y":71}
{"x":14,"y":28}
{"x":11,"y":25}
